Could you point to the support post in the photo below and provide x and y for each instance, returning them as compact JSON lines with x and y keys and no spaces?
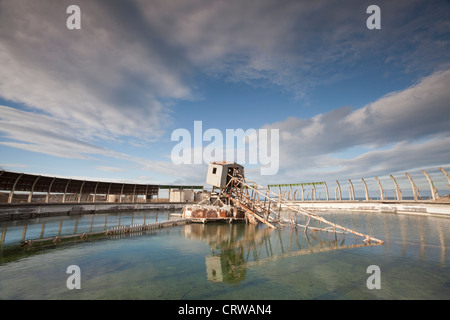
{"x":95,"y":192}
{"x":352,"y":190}
{"x":398,"y":191}
{"x":134,"y":194}
{"x":65,"y":191}
{"x":121,"y":192}
{"x":81,"y":191}
{"x":107,"y":195}
{"x":434,"y":192}
{"x":30,"y":195}
{"x":381,"y":188}
{"x":49,"y":190}
{"x":313,"y":191}
{"x":326,"y":191}
{"x":339,"y":190}
{"x":11,"y":193}
{"x":366,"y":191}
{"x":414,"y":188}
{"x":446,"y":174}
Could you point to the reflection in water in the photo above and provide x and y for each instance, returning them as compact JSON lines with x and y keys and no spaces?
{"x":418,"y":235}
{"x":14,"y":232}
{"x":429,"y":233}
{"x":236,"y":247}
{"x":229,"y":261}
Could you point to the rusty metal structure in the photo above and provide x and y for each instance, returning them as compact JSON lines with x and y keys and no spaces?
{"x":217,"y":207}
{"x":244,"y":199}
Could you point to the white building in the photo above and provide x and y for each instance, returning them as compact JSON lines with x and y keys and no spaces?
{"x":218,"y":173}
{"x":180,"y":195}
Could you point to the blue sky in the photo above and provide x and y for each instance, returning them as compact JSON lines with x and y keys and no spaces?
{"x":102,"y":102}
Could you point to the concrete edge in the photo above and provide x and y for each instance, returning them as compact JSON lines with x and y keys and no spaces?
{"x":11,"y":212}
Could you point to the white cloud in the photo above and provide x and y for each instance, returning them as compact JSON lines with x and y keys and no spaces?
{"x":43,"y":134}
{"x":113,"y":75}
{"x":7,"y":166}
{"x":109,"y":169}
{"x":402,"y":130}
{"x":400,"y":157}
{"x":102,"y":79}
{"x":299,"y":44}
{"x":115,"y":78}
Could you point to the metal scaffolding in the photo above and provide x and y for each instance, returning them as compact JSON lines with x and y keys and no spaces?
{"x":263,"y":205}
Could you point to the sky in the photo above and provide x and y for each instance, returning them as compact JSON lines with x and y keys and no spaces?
{"x":343,"y":101}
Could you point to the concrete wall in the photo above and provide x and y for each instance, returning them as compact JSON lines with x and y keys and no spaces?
{"x":10,"y":212}
{"x":404,"y":207}
{"x":27,"y":211}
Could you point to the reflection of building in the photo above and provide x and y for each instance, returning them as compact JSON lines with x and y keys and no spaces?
{"x":228,"y":243}
{"x":237,"y":246}
{"x":214,"y":269}
{"x":232,"y":263}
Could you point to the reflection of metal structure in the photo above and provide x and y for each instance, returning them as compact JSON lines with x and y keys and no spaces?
{"x":262,"y":205}
{"x":236,"y":247}
{"x":83,"y":228}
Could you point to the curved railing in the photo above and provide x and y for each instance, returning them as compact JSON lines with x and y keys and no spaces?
{"x":431,"y":184}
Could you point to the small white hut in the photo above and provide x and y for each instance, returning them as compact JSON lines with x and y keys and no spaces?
{"x":218,"y":173}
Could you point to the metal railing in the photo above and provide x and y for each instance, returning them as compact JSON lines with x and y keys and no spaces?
{"x":418,"y":185}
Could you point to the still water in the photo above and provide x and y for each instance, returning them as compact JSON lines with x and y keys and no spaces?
{"x":228,"y":261}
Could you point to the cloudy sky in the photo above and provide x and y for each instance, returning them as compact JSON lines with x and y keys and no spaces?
{"x":103,"y":101}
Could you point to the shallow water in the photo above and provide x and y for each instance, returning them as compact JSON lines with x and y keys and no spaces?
{"x":229,"y":261}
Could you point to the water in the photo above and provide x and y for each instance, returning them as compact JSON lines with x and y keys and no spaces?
{"x":223,"y":261}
